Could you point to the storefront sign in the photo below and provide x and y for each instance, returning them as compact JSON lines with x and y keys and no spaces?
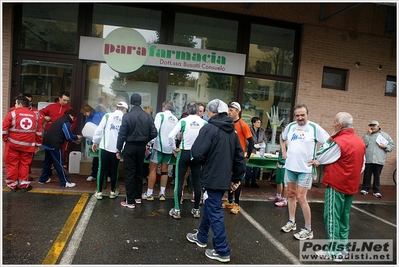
{"x":125,"y":50}
{"x":159,"y":55}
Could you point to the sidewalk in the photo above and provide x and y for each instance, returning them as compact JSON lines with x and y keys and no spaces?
{"x":267,"y":188}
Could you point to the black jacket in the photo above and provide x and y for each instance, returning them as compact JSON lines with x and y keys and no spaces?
{"x":137,"y":128}
{"x":218,"y":150}
{"x":56,"y":137}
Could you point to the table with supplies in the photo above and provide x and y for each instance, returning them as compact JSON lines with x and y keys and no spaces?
{"x":268,"y":161}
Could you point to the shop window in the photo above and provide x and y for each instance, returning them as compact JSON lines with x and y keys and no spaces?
{"x":106,"y":87}
{"x":184,"y":87}
{"x":271,"y":50}
{"x":108,"y":17}
{"x":390,"y":87}
{"x":49,"y":27}
{"x":334,"y":78}
{"x":260,"y":95}
{"x":205,"y":33}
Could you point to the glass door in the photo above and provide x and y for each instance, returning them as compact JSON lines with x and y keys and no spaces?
{"x":45,"y":80}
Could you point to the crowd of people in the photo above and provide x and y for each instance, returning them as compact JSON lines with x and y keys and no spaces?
{"x":212,"y":149}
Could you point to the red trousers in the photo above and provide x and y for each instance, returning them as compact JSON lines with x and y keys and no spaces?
{"x":17,"y":166}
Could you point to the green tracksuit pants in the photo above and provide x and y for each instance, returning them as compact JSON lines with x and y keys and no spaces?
{"x":337,"y":207}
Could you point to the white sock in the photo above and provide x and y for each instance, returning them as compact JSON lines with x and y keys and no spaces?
{"x":149,"y":191}
{"x":292,"y":220}
{"x":162,"y":192}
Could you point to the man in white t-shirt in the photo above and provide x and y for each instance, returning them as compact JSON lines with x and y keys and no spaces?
{"x":302,"y":137}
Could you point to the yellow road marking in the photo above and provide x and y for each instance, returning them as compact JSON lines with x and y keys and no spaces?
{"x":48,"y":191}
{"x":59,"y":244}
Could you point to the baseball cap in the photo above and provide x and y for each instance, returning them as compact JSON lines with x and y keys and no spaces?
{"x":122,"y":105}
{"x":374,"y":123}
{"x":235,"y":105}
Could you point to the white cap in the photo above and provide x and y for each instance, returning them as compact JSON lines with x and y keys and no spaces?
{"x":122,"y":105}
{"x":235,"y":105}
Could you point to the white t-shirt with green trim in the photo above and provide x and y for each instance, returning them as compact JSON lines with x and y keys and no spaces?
{"x":302,"y":143}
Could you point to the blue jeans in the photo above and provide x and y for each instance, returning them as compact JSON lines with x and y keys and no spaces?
{"x":213,"y":218}
{"x":251,"y":174}
{"x":54,"y":157}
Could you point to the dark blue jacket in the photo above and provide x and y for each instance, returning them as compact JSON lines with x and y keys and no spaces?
{"x":59,"y":132}
{"x":218,"y":150}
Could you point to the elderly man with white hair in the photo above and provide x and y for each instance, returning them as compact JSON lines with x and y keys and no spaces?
{"x":343,"y":157}
{"x":218,"y":150}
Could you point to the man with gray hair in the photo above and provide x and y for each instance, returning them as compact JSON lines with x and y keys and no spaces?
{"x":218,"y":150}
{"x":162,"y":152}
{"x":343,"y":157}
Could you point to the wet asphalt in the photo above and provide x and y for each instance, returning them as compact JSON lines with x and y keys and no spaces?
{"x":45,"y":227}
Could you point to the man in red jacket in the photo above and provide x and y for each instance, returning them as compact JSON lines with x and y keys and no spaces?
{"x":30,"y":100}
{"x":22,"y":134}
{"x":344,"y":158}
{"x":54,"y":111}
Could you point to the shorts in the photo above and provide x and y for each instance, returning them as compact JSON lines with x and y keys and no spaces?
{"x":280,"y":172}
{"x":159,"y":157}
{"x":302,"y":179}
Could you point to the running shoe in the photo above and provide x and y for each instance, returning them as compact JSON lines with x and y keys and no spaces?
{"x":192,"y":237}
{"x":212,"y":254}
{"x":148,"y":197}
{"x":289,"y":226}
{"x":174,"y":213}
{"x":130,"y":206}
{"x":236,"y":209}
{"x":113,"y":194}
{"x":196,"y":213}
{"x":304,"y":234}
{"x":161,"y":197}
{"x":281,"y":203}
{"x":99,"y":195}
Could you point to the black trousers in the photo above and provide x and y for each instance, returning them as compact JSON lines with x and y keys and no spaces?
{"x":107,"y":161}
{"x":183,"y":162}
{"x":133,"y":157}
{"x":375,"y":170}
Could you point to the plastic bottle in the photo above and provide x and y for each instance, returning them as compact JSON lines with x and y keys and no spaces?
{"x":262,"y":149}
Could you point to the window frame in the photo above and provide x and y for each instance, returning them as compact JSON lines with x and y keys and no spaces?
{"x":390,"y":78}
{"x":331,"y":70}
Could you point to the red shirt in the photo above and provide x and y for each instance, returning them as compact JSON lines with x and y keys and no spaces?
{"x":55,"y":111}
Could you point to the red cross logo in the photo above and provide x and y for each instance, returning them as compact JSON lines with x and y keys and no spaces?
{"x":26,"y":123}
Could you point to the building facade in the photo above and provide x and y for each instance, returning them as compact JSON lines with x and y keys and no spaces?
{"x":331,"y":56}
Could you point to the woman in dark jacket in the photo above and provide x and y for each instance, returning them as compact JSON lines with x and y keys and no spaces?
{"x":259,"y":136}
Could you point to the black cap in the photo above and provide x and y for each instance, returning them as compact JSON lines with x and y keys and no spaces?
{"x":135,"y":99}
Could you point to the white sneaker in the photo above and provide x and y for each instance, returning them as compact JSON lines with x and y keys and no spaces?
{"x":99,"y":195}
{"x":46,"y":182}
{"x":70,"y":185}
{"x":304,"y":234}
{"x":90,"y":178}
{"x":113,"y":194}
{"x":108,"y":179}
{"x":289,"y":226}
